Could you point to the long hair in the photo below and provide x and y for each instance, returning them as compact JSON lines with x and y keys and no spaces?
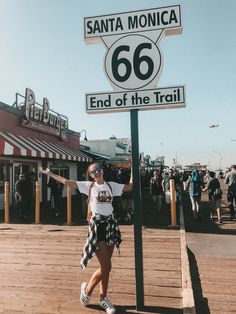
{"x":88,"y":177}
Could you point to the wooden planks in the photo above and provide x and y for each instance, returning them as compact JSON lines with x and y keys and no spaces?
{"x":213,"y":260}
{"x":40,"y":271}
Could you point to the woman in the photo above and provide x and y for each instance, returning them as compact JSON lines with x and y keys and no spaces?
{"x":213,"y":186}
{"x":195,"y":185}
{"x":103,"y":233}
{"x":156,"y":190}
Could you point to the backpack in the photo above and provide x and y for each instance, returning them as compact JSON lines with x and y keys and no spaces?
{"x":195,"y":189}
{"x":195,"y":176}
{"x":217,"y":194}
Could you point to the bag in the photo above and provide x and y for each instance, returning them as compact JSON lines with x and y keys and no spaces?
{"x":217,"y":194}
{"x":195,"y":189}
{"x":195,"y":176}
{"x":168,"y":198}
{"x":124,"y":213}
{"x":129,"y":217}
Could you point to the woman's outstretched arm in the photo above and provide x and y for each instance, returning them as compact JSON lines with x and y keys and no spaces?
{"x":129,"y":187}
{"x":71,"y":183}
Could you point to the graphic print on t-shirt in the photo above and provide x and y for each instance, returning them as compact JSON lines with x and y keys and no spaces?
{"x":104,"y":197}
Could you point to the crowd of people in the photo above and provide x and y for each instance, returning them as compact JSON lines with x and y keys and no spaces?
{"x":195,"y":182}
{"x":156,"y":180}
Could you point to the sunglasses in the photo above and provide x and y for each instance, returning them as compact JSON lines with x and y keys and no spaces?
{"x":98,"y":169}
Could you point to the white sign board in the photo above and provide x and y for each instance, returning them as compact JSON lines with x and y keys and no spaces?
{"x":132,"y":22}
{"x":133,"y":61}
{"x":161,"y":98}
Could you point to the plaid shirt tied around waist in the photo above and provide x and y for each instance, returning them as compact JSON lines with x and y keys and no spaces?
{"x":113,"y":236}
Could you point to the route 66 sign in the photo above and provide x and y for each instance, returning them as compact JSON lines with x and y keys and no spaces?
{"x":133,"y":60}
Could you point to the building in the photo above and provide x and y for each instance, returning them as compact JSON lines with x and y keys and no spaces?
{"x":196,"y":165}
{"x":33,"y":136}
{"x":114,"y":151}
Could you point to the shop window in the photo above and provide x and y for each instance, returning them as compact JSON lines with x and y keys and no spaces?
{"x":63,"y":172}
{"x":3,"y":176}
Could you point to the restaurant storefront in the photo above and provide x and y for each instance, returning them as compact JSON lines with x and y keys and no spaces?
{"x":33,"y":136}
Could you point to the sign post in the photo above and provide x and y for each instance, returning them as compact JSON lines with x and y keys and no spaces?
{"x":137,"y":210}
{"x":133,"y":64}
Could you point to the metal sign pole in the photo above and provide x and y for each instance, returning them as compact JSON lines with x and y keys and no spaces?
{"x":137,"y":210}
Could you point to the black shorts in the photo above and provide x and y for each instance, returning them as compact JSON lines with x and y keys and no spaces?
{"x":101,"y":230}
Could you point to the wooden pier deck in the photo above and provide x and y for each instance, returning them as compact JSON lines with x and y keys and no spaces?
{"x":40,"y":271}
{"x":212,"y":255}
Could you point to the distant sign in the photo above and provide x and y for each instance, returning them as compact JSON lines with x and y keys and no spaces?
{"x":41,"y":117}
{"x":133,"y":61}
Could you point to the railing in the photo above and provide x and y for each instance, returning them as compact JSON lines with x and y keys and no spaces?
{"x":173,"y":202}
{"x":37,"y":203}
{"x":69,"y":220}
{"x":6,"y":201}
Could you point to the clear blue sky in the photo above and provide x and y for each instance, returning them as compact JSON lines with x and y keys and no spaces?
{"x":42,"y":47}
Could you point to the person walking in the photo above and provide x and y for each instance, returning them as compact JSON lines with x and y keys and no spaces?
{"x":56,"y":195}
{"x":169,"y":175}
{"x":103,"y":233}
{"x":156,"y":190}
{"x":22,"y":196}
{"x":230,"y":179}
{"x":195,"y":185}
{"x":215,"y":195}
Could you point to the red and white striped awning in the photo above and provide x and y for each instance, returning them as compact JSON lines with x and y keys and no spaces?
{"x":18,"y":145}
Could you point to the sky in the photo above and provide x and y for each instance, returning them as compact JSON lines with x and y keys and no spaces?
{"x":42,"y":47}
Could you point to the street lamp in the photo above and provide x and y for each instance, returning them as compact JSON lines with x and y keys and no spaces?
{"x":85,"y":136}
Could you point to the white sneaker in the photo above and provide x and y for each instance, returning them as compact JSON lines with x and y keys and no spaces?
{"x":107,"y":306}
{"x":84,"y":297}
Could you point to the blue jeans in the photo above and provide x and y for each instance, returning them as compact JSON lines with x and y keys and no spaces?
{"x":195,"y":200}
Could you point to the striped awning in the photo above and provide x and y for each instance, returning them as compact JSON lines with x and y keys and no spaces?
{"x":18,"y":145}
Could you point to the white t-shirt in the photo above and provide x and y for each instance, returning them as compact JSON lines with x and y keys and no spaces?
{"x":101,"y":195}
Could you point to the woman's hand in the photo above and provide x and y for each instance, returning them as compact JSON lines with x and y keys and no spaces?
{"x":62,"y":180}
{"x":44,"y":171}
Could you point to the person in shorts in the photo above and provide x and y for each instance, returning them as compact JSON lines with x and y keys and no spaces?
{"x":103,"y":233}
{"x":215,"y":202}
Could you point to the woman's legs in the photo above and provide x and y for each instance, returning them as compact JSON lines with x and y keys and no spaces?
{"x":104,"y":254}
{"x":196,"y":203}
{"x":194,"y":206}
{"x":212,"y":207}
{"x":218,"y":209}
{"x":198,"y":206}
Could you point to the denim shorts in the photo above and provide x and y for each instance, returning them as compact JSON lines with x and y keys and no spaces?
{"x":101,"y":230}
